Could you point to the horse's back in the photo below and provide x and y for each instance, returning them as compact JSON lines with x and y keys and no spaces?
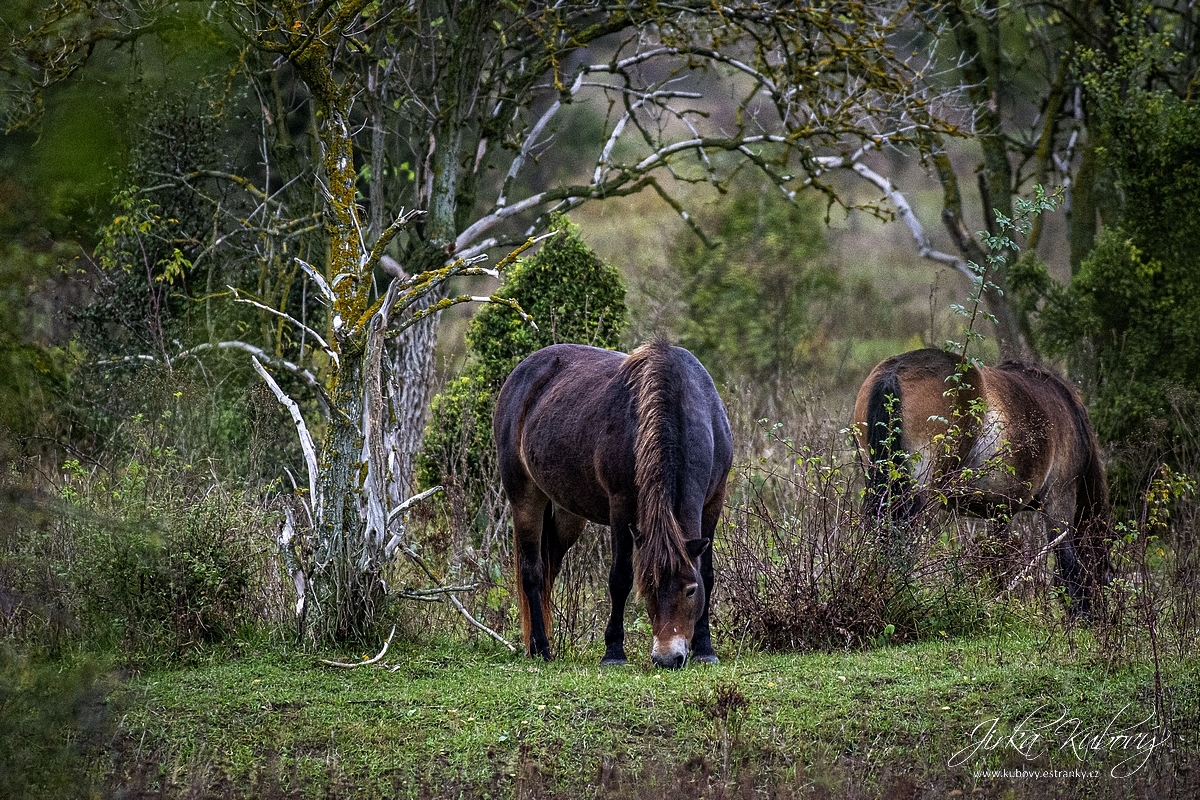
{"x":706,"y":425}
{"x":910,"y":393}
{"x":1029,"y":418}
{"x":1048,"y":420}
{"x":561,"y":418}
{"x":546,"y":370}
{"x":567,"y":420}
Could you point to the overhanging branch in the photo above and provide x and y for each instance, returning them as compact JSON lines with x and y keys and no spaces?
{"x":903,"y":210}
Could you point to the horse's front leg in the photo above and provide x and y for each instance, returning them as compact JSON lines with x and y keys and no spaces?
{"x":620,"y":582}
{"x":702,"y":649}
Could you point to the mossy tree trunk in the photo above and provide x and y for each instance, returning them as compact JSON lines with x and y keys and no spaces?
{"x":382,"y":373}
{"x":344,"y":589}
{"x":980,"y":72}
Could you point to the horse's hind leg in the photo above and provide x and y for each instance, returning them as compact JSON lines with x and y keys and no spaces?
{"x":1060,"y":513}
{"x":560,"y":530}
{"x":532,"y":591}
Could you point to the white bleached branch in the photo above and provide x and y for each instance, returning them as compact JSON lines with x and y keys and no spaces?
{"x":299,"y":579}
{"x":375,"y":660}
{"x":316,"y":278}
{"x":623,"y":178}
{"x":127,"y":359}
{"x":320,"y":339}
{"x":306,"y":440}
{"x":531,"y":141}
{"x":257,"y":352}
{"x":193,"y":352}
{"x":434,"y":595}
{"x":406,"y":505}
{"x":903,"y":210}
{"x":1040,"y":558}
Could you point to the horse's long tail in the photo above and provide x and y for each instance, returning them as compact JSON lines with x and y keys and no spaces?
{"x":887,"y":496}
{"x":657,"y":383}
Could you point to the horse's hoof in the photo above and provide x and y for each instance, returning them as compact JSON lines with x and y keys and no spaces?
{"x":711,"y":658}
{"x":611,"y":661}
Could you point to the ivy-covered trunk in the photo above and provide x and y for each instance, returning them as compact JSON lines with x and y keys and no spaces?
{"x":383,"y":367}
{"x":345,"y":586}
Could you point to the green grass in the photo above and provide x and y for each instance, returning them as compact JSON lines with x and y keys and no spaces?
{"x":456,"y":720}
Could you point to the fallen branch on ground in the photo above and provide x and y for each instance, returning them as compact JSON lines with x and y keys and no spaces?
{"x":449,"y":595}
{"x":1039,"y":558}
{"x":375,"y":660}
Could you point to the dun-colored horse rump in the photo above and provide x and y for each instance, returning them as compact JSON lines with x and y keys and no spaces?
{"x":991,"y":441}
{"x":640,"y":443}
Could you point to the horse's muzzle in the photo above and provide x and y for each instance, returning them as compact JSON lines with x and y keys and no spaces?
{"x":671,"y":654}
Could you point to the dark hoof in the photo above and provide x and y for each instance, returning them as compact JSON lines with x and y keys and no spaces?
{"x":711,"y":658}
{"x":613,"y":661}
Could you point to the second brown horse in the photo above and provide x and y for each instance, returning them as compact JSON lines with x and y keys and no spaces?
{"x":990,"y":441}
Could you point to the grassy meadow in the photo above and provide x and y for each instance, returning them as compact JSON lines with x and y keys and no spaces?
{"x":447,"y":720}
{"x":837,"y":681}
{"x":901,"y":714}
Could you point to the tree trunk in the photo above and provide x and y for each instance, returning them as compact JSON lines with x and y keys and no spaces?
{"x":345,"y":584}
{"x":411,"y":365}
{"x":979,"y":71}
{"x":1008,"y":332}
{"x":346,"y":589}
{"x":1082,"y":220}
{"x":410,"y":372}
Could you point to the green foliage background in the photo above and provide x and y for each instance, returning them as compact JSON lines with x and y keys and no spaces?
{"x":748,"y":297}
{"x":571,"y":295}
{"x":1129,"y":320}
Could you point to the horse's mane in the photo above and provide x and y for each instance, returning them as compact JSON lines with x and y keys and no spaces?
{"x":1036,"y":370}
{"x":655,"y":381}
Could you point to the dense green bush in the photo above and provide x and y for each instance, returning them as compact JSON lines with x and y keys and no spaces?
{"x":749,"y":298}
{"x":571,"y":295}
{"x":152,"y":560}
{"x":1129,"y":319}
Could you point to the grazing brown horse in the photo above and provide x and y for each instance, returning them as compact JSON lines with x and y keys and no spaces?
{"x":639,"y":443}
{"x":1008,"y":438}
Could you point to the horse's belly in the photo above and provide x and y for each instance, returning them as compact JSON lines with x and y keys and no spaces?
{"x":568,"y":479}
{"x":592,"y":512}
{"x":985,"y":478}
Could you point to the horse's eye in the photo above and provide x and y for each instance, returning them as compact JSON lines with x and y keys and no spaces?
{"x":690,"y":591}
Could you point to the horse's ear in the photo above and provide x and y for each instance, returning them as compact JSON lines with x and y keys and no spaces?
{"x":696,"y":547}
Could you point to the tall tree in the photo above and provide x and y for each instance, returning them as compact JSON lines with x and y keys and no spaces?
{"x":457,"y":108}
{"x":1127,"y":322}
